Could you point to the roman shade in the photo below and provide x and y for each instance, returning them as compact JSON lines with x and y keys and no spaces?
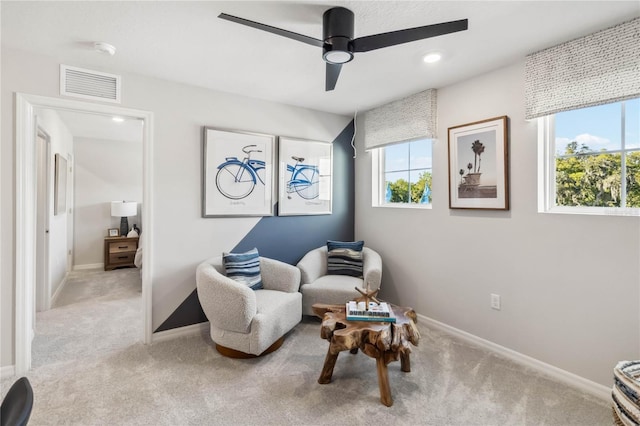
{"x":406,"y":119}
{"x":600,"y":68}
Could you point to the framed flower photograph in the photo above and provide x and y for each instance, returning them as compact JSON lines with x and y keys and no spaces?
{"x":237,"y":173}
{"x":305,"y":177}
{"x":478,"y":165}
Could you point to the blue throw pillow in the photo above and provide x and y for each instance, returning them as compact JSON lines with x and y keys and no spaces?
{"x":344,"y":258}
{"x":244,"y":268}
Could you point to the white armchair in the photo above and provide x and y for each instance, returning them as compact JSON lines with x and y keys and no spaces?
{"x":246,"y":322}
{"x":318,"y":287}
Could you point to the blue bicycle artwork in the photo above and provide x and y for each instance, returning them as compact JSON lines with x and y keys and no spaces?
{"x":236,"y":178}
{"x":305,"y":179}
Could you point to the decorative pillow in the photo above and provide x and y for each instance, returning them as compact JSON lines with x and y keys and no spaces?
{"x":244,"y":268}
{"x":344,"y":258}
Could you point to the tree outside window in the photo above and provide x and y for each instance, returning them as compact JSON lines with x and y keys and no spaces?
{"x":597,"y":156}
{"x":407,"y":173}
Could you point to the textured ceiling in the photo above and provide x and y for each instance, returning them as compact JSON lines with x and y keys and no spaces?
{"x":185,"y":42}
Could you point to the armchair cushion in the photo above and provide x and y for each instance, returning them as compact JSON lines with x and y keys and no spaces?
{"x":227,"y":304}
{"x":319,"y":287}
{"x":244,"y":268}
{"x":243,"y":319}
{"x":344,"y":258}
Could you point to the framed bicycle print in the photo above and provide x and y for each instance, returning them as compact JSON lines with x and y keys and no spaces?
{"x":237,"y":173}
{"x":305,"y":177}
{"x":478,"y":165}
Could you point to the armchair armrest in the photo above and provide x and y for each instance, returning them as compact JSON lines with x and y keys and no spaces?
{"x":313,"y":265}
{"x":279,"y":276}
{"x":371,"y":268}
{"x":226,"y":303}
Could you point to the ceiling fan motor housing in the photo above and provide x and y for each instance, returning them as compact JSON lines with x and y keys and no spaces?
{"x":338,"y":44}
{"x":337,"y":33}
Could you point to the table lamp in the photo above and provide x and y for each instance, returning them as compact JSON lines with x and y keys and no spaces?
{"x":124,"y":209}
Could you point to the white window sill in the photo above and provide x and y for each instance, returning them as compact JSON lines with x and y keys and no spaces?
{"x":598,"y":211}
{"x":404,"y":206}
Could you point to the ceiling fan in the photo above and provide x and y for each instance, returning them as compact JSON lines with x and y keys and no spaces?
{"x":338,"y":44}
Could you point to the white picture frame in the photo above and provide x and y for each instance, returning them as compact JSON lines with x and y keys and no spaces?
{"x":305,"y":182}
{"x":60,"y":185}
{"x":237,"y":173}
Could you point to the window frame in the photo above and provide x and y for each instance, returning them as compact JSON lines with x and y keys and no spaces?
{"x":547,"y":174}
{"x":378,"y":177}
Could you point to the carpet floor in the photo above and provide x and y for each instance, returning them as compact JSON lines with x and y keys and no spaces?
{"x":90,"y":368}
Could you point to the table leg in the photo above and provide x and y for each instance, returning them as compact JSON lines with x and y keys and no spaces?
{"x":383,"y":382}
{"x":405,"y":362}
{"x":327,"y":369}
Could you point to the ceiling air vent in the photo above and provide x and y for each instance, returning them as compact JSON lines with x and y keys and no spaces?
{"x":88,"y":84}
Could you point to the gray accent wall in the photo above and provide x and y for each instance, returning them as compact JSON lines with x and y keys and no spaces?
{"x":288,"y":238}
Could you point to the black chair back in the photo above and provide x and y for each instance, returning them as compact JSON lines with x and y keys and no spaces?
{"x":17,"y":404}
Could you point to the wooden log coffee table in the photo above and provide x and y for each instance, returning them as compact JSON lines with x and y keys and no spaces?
{"x":384,"y":341}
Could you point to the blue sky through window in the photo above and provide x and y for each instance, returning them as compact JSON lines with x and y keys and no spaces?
{"x":405,"y":165}
{"x":400,"y":158}
{"x":599,"y":127}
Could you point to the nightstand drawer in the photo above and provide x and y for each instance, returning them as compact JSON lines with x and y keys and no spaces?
{"x":117,"y":258}
{"x":119,"y":252}
{"x":120,"y":247}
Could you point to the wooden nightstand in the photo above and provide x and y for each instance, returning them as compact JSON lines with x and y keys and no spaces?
{"x":119,"y":252}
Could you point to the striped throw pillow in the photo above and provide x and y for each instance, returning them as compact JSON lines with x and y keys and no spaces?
{"x":244,"y":268}
{"x":344,"y":258}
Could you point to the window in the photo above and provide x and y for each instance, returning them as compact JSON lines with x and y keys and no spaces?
{"x":402,"y":174}
{"x":593,"y":159}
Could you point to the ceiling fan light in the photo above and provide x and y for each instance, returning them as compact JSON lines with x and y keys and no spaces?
{"x":337,"y":56}
{"x":431,"y":58}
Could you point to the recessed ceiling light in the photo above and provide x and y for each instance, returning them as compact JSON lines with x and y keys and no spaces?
{"x":102,"y":47}
{"x":118,"y":119}
{"x":430,"y":58}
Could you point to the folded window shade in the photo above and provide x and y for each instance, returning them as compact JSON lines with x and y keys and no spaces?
{"x":600,"y":68}
{"x":406,"y":119}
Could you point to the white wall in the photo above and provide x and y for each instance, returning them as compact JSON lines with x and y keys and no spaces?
{"x":106,"y":170}
{"x":569,"y":284}
{"x":59,"y":241}
{"x":182,"y":239}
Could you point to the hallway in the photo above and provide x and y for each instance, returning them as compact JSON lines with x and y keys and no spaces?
{"x":96,"y":312}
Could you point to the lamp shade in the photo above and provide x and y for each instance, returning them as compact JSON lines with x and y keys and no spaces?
{"x":124,"y":208}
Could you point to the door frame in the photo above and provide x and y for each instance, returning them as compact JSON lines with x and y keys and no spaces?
{"x":43,"y":289}
{"x":25,"y":187}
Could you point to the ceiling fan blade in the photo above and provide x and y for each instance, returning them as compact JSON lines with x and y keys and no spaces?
{"x":274,"y":30}
{"x":333,"y":71}
{"x":378,"y":41}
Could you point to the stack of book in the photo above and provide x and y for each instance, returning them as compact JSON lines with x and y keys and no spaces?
{"x":356,"y":311}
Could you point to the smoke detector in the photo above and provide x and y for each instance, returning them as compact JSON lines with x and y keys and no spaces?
{"x":102,"y":47}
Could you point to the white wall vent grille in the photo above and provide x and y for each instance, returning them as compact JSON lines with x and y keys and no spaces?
{"x":88,"y":84}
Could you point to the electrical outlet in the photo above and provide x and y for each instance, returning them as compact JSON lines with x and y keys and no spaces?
{"x":495,"y":301}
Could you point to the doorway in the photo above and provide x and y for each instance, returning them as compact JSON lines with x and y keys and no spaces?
{"x":26,"y":190}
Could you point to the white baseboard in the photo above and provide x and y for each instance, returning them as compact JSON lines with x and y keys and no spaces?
{"x":188,"y":330}
{"x":549,"y":370}
{"x":58,"y":291}
{"x":7,"y":371}
{"x":88,"y":266}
